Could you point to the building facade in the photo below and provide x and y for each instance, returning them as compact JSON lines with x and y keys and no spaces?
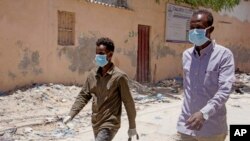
{"x":53,"y":41}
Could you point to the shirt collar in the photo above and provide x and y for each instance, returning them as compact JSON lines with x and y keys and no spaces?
{"x":110,"y":71}
{"x":206,"y":50}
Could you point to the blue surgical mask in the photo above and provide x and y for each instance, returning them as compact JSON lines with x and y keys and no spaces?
{"x":198,"y":36}
{"x":101,"y":60}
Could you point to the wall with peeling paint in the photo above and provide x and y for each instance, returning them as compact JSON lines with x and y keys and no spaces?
{"x":23,"y":43}
{"x":29,"y":52}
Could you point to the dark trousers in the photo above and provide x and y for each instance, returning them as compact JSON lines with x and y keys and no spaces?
{"x":105,"y":135}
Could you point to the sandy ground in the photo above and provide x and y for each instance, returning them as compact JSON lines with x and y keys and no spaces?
{"x":157,"y":122}
{"x":35,"y":114}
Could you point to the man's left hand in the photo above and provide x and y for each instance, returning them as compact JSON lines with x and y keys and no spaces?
{"x":195,"y":121}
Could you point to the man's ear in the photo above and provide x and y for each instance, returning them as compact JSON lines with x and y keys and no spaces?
{"x":110,"y":54}
{"x":211,"y":29}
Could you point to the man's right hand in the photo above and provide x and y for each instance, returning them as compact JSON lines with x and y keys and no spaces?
{"x":195,"y":121}
{"x":131,"y":133}
{"x":67,"y":119}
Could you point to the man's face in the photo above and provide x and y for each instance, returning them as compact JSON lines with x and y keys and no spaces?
{"x":102,"y":50}
{"x":198,"y":21}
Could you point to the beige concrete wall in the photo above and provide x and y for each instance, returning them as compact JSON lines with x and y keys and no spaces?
{"x":28,"y":40}
{"x":233,"y":31}
{"x":24,"y":46}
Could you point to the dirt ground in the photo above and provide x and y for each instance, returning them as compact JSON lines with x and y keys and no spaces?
{"x":36,"y":113}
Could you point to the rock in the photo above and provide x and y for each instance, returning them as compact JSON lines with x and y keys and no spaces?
{"x":159,"y":96}
{"x":71,"y":125}
{"x":27,"y":130}
{"x":10,"y":131}
{"x":139,"y":97}
{"x":63,"y":100}
{"x":72,"y":88}
{"x":6,"y":139}
{"x":61,"y":125}
{"x":238,"y":90}
{"x":58,"y":87}
{"x":158,"y":117}
{"x":237,"y":106}
{"x":49,"y":119}
{"x":18,"y":92}
{"x":50,"y":107}
{"x":140,"y":107}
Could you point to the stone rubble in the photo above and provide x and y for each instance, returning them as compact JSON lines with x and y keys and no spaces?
{"x":36,"y":113}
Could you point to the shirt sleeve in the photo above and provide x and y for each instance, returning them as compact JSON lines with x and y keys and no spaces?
{"x":226,"y":79}
{"x":128,"y":101}
{"x":81,"y":100}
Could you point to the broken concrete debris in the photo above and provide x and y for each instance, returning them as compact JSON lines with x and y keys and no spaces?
{"x":242,"y":84}
{"x":36,"y":113}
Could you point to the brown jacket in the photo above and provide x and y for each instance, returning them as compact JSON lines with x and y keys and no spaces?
{"x":108,"y":93}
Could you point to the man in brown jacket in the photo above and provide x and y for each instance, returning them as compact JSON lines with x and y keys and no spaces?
{"x":108,"y":86}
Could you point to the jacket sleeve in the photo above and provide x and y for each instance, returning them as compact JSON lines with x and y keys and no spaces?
{"x":128,"y":101}
{"x":81,"y":100}
{"x":226,"y":79}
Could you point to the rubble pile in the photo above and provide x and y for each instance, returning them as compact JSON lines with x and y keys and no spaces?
{"x":173,"y":85}
{"x":174,"y":82}
{"x":241,"y":91}
{"x":162,"y":91}
{"x":36,"y":113}
{"x":242,"y":83}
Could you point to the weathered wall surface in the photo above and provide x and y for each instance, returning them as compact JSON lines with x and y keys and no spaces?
{"x":23,"y":42}
{"x":233,"y":31}
{"x":29,"y":52}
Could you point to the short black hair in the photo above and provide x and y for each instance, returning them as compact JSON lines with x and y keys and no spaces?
{"x":210,"y":18}
{"x":106,"y":42}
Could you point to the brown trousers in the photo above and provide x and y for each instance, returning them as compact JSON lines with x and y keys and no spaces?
{"x":184,"y":137}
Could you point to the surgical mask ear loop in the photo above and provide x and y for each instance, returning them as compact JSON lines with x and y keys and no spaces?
{"x":207,"y":29}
